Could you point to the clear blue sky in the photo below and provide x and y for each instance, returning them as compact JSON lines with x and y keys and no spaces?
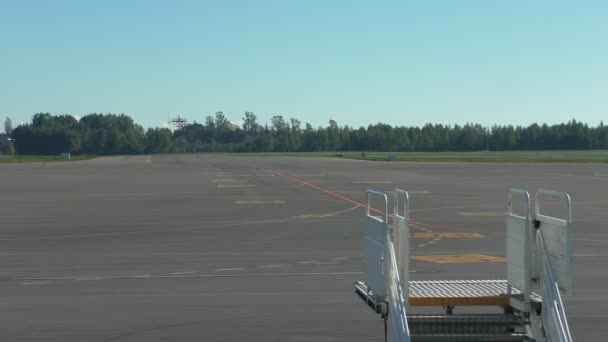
{"x":357,"y":62}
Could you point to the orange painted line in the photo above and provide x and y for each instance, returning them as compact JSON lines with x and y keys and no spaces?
{"x":350,"y":200}
{"x":310,"y":185}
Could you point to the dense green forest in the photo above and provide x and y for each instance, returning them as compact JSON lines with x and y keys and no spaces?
{"x":107,"y":134}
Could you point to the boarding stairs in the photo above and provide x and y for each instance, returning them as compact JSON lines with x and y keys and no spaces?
{"x":539,"y":269}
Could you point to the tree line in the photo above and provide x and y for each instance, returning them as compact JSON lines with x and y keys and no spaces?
{"x":108,"y":134}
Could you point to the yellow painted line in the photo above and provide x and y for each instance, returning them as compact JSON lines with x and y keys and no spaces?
{"x":482,"y":213}
{"x":229,"y":180}
{"x":36,"y":283}
{"x":178,"y":273}
{"x":459,"y":259}
{"x":459,"y":301}
{"x":308,"y":262}
{"x":260,"y":202}
{"x":372,"y":182}
{"x":446,"y":235}
{"x":235,"y":185}
{"x":273,"y":266}
{"x":229,"y":269}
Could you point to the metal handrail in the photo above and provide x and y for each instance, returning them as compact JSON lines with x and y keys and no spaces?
{"x":547,"y":218}
{"x":396,"y":306}
{"x":406,"y":203}
{"x":401,"y":238}
{"x":382,"y":195}
{"x":525,"y":195}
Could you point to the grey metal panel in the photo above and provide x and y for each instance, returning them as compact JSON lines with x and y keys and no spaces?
{"x":375,"y":253}
{"x":519,"y":249}
{"x":556,"y":233}
{"x":375,"y":247}
{"x":553,"y":315}
{"x":397,"y":326}
{"x":557,"y":242}
{"x":402,"y":238}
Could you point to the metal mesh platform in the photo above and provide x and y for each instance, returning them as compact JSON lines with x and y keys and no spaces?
{"x":459,"y":292}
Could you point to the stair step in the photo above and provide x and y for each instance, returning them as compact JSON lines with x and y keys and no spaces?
{"x":464,"y":324}
{"x":493,"y":319}
{"x":514,"y":337}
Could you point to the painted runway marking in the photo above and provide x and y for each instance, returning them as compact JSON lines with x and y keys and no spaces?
{"x":273,"y":266}
{"x":142,"y":276}
{"x":446,"y":235}
{"x":36,"y":283}
{"x":327,"y":263}
{"x":308,"y":262}
{"x":482,"y":213}
{"x":229,"y":180}
{"x":332,"y":193}
{"x":260,"y":202}
{"x":335,"y":213}
{"x":341,"y":258}
{"x":350,"y":200}
{"x":235,"y":185}
{"x":337,"y":173}
{"x":372,"y":182}
{"x":179,"y":273}
{"x":100,"y":195}
{"x":229,"y":269}
{"x":244,"y":175}
{"x":459,"y":259}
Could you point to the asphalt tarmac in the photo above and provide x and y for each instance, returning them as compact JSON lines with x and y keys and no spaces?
{"x":233,"y":248}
